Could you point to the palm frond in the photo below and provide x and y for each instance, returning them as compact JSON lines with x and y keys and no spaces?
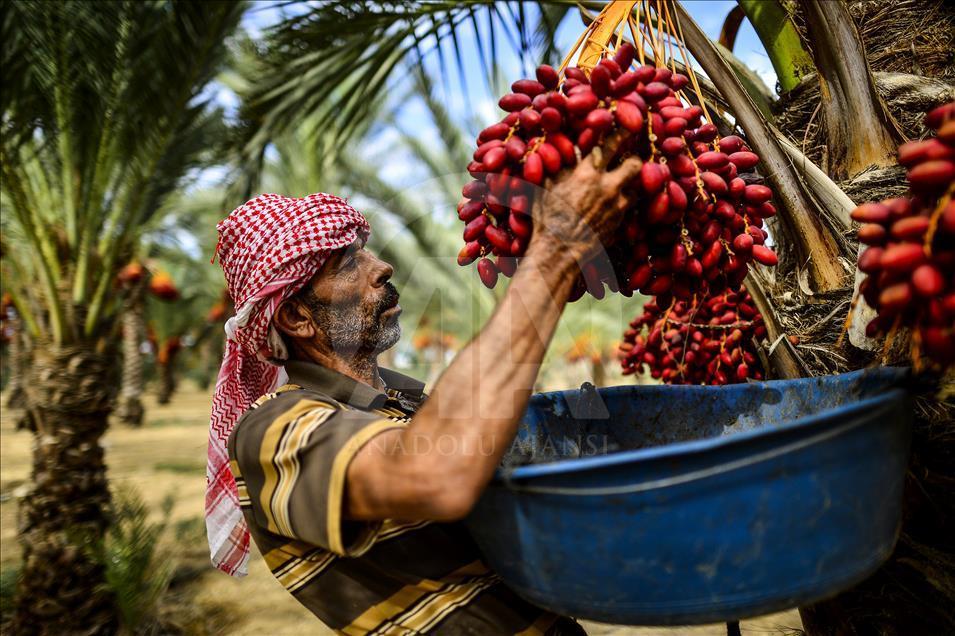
{"x":361,"y":178}
{"x":807,"y":232}
{"x":544,"y":39}
{"x":334,"y":59}
{"x":730,"y":27}
{"x":455,"y":142}
{"x":104,"y":115}
{"x":860,"y":129}
{"x":778,"y":35}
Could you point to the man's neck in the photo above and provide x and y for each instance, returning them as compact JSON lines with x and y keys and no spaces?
{"x":357,"y":367}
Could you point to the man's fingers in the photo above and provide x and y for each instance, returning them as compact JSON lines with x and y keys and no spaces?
{"x":586,"y":167}
{"x":610,"y":146}
{"x":624,"y":201}
{"x":627,"y":171}
{"x":602,"y":155}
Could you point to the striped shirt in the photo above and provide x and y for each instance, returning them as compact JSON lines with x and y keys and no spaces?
{"x":290,"y":453}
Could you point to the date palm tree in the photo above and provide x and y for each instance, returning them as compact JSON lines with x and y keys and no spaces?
{"x":129,"y":408}
{"x":104,"y":114}
{"x":838,"y":62}
{"x":860,"y":97}
{"x":181,"y":325}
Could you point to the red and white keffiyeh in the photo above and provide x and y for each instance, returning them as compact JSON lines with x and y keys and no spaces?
{"x":268,"y":249}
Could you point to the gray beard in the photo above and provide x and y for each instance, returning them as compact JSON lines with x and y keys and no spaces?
{"x":352,"y":333}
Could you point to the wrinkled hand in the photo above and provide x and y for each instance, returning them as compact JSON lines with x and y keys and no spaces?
{"x":583,"y":207}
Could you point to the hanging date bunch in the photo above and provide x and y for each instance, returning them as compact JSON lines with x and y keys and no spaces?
{"x":709,"y":341}
{"x":697,"y":223}
{"x":910,"y":261}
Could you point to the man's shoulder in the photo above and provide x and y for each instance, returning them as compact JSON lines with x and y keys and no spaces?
{"x":272,"y":406}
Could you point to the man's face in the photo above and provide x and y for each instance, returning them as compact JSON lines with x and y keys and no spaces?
{"x":353,"y":303}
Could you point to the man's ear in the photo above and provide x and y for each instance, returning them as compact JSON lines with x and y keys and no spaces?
{"x":293,"y":319}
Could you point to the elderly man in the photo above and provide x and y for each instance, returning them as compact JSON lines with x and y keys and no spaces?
{"x":351,"y":482}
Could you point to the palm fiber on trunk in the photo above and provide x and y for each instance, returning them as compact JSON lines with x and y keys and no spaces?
{"x":64,"y":517}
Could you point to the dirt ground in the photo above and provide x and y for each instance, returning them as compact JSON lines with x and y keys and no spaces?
{"x":166,"y":457}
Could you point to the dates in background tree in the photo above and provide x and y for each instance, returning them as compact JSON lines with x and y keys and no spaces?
{"x":910,"y":261}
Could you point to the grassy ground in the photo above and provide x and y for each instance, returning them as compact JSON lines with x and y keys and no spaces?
{"x":167,"y":457}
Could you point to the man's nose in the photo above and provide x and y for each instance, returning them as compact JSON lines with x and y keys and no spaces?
{"x":383,"y":273}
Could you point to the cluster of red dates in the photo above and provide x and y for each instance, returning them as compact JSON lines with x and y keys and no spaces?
{"x":712,"y":341}
{"x":698,"y":218}
{"x":910,"y":261}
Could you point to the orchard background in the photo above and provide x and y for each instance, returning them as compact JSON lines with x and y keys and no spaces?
{"x":130,"y":129}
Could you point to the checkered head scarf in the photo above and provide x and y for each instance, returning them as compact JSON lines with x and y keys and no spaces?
{"x":268,"y":248}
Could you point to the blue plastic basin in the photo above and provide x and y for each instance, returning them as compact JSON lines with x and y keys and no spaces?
{"x":660,"y":505}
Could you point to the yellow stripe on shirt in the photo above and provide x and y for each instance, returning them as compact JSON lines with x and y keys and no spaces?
{"x":391,"y":528}
{"x":295,"y":578}
{"x":437,"y":608}
{"x":267,"y":451}
{"x":286,"y":460}
{"x":381,"y":615}
{"x":336,"y":485}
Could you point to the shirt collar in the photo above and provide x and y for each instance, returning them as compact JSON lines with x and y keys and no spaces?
{"x":339,"y":386}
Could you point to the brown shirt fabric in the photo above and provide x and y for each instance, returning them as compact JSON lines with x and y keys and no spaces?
{"x":289,"y":454}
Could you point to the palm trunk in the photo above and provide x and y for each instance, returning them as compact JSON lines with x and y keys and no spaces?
{"x":130,"y":408}
{"x":809,"y":237}
{"x":914,"y":592}
{"x":63,"y":519}
{"x":598,"y":372}
{"x":15,"y":351}
{"x":861,"y":132}
{"x":167,"y":381}
{"x":19,"y":351}
{"x":208,"y":364}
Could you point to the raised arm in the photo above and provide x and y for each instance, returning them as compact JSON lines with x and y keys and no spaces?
{"x":437,"y":466}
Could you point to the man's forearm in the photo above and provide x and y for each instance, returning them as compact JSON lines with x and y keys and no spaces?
{"x":477,"y":403}
{"x":470,"y":419}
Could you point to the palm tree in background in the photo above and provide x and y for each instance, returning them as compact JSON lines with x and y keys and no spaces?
{"x":134,"y":279}
{"x":187,"y":214}
{"x":854,"y":77}
{"x":183,"y":241}
{"x":104,"y":114}
{"x":181,"y":324}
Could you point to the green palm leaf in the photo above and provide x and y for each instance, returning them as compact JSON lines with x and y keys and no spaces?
{"x":104,"y":116}
{"x":335,"y":59}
